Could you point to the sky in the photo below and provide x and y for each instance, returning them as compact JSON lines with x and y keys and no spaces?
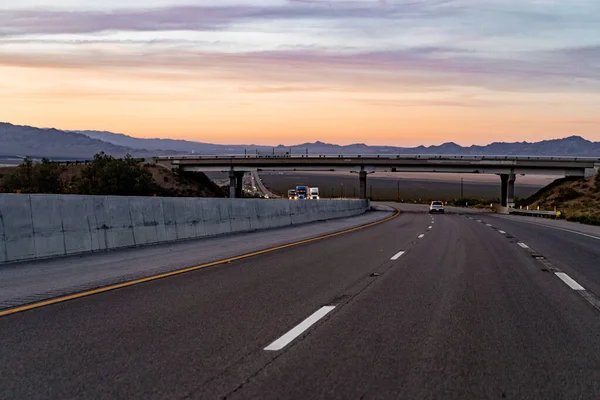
{"x":395,"y":72}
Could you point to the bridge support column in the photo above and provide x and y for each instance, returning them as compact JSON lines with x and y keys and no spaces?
{"x":511,"y":190}
{"x":236,"y":184}
{"x":362,"y":176}
{"x":503,"y":189}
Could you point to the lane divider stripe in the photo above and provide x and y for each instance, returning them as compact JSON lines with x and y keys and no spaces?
{"x":588,"y":296}
{"x":523,"y":245}
{"x":185,"y":270}
{"x":299,"y":329}
{"x":397,"y":255}
{"x":569,"y":281}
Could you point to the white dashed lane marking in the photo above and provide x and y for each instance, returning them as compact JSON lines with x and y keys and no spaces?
{"x":299,"y":329}
{"x":569,"y":281}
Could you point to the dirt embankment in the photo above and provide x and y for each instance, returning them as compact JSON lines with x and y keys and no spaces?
{"x":188,"y":184}
{"x":169,"y":183}
{"x":578,"y":199}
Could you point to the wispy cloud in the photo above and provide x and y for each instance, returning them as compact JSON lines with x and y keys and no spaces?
{"x":310,"y":69}
{"x":352,"y":52}
{"x":201,"y":18}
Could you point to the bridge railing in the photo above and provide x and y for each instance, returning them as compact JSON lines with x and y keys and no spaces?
{"x":386,"y":156}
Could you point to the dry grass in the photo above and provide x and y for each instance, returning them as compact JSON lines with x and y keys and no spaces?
{"x":574,"y":198}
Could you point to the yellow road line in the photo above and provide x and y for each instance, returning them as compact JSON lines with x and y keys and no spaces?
{"x":184,"y":270}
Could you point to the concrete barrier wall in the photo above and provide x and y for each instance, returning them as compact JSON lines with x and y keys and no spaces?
{"x":41,"y":226}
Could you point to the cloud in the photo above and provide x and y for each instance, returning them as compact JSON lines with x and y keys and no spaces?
{"x":344,"y":45}
{"x":421,"y":103}
{"x":271,"y":89}
{"x":198,"y":18}
{"x":320,"y":70}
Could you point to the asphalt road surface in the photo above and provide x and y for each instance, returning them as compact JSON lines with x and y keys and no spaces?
{"x":455,"y":306}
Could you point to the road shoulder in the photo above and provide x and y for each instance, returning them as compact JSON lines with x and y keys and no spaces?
{"x":36,"y":281}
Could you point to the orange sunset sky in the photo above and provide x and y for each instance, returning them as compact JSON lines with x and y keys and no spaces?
{"x":286,"y":72}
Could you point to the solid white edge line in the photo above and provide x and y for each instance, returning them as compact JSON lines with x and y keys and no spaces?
{"x":299,"y":329}
{"x":553,"y":227}
{"x":502,"y":232}
{"x":568,"y":230}
{"x":523,"y":245}
{"x":421,"y":236}
{"x":397,"y":255}
{"x":569,"y":281}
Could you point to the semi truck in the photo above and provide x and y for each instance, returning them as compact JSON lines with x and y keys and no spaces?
{"x":292,"y":194}
{"x":314,"y":193}
{"x":302,"y":192}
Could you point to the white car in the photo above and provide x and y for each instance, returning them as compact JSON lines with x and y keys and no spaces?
{"x":436,"y":207}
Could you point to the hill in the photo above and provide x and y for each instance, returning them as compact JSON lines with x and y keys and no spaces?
{"x":53,"y":143}
{"x":578,"y":199}
{"x":570,"y":146}
{"x":166,"y":182}
{"x":172,"y":145}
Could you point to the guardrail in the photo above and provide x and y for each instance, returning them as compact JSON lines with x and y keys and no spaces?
{"x":386,"y":155}
{"x":535,"y":213}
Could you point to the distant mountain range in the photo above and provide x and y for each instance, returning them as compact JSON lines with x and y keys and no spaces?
{"x":20,"y":141}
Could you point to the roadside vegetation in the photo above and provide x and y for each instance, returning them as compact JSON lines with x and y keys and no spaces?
{"x":104,"y":175}
{"x":578,"y":199}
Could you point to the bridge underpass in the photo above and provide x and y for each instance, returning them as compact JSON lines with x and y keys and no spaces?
{"x":506,"y":167}
{"x":236,"y":184}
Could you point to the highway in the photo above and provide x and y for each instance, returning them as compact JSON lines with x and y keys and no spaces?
{"x":466,"y":305}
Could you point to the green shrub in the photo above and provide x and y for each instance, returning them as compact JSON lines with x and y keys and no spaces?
{"x":593,"y":219}
{"x":30,"y":177}
{"x":106,"y":175}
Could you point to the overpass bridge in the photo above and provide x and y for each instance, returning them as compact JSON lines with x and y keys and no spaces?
{"x":507,"y":167}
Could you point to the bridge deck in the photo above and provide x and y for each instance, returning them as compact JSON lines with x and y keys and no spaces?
{"x":574,"y":166}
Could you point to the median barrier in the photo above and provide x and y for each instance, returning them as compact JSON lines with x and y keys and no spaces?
{"x":42,"y":226}
{"x":499,"y":209}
